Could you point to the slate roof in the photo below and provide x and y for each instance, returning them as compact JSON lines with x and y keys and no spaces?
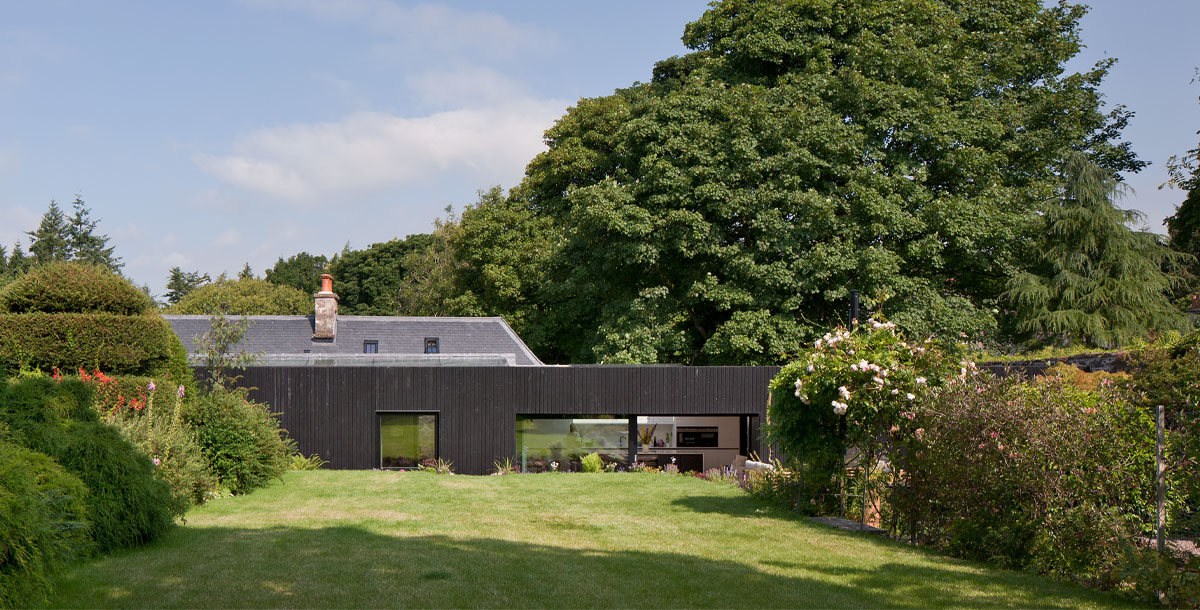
{"x":288,"y":339}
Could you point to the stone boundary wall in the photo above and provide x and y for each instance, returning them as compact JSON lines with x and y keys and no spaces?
{"x":1111,"y":362}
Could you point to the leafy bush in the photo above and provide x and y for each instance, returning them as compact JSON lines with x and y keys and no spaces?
{"x":142,"y":344}
{"x":1075,"y":376}
{"x":43,"y":523}
{"x":240,"y":439}
{"x":244,"y":297}
{"x":74,"y":288}
{"x":1168,"y":374}
{"x":160,"y":433}
{"x":592,"y":463}
{"x":127,"y":504}
{"x":1038,"y":475}
{"x":850,"y":390}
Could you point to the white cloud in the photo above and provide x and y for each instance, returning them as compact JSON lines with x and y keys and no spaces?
{"x":370,"y":151}
{"x":433,"y":27}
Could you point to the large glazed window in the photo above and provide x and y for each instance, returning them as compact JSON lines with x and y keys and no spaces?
{"x":564,"y":440}
{"x":406,"y":439}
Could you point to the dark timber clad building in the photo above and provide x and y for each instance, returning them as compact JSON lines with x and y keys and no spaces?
{"x":389,"y":392}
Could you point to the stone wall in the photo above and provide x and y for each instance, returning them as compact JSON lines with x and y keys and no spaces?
{"x":1111,"y":362}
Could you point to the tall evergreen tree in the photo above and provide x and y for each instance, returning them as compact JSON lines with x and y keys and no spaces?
{"x":18,"y":261}
{"x":1096,"y":282}
{"x":51,"y":241}
{"x":180,"y":283}
{"x":83,"y":244}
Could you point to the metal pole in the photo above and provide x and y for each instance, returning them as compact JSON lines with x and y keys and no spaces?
{"x":853,"y":306}
{"x":1160,"y":469}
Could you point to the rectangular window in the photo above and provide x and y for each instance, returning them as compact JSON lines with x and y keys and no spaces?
{"x":370,"y":347}
{"x":431,"y":345}
{"x":407,"y":439}
{"x":565,"y":440}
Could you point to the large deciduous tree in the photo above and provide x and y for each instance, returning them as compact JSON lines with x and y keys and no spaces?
{"x":1095,"y":281}
{"x":301,"y":271}
{"x":721,"y":213}
{"x":368,"y":282}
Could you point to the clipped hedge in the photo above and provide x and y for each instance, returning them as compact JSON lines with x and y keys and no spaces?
{"x":43,"y":523}
{"x":74,"y":288}
{"x":143,"y":344}
{"x":127,"y":504}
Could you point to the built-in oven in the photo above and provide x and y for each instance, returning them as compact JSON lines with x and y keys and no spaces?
{"x":697,"y":436}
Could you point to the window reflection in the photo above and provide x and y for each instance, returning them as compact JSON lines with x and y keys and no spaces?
{"x":543,"y":440}
{"x":407,"y":439}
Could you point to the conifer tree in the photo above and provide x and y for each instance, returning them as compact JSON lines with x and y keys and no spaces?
{"x":83,"y":244}
{"x":18,"y":261}
{"x":51,"y":241}
{"x":1097,"y":282}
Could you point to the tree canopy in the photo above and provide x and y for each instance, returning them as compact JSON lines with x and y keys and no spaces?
{"x":301,"y":271}
{"x":721,"y":213}
{"x":243,"y":297}
{"x":368,"y":282}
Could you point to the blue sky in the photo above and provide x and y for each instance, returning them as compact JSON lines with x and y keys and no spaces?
{"x":208,"y":134}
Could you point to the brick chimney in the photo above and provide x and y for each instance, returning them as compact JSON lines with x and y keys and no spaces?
{"x":325,"y":320}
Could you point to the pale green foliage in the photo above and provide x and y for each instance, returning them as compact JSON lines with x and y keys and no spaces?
{"x":243,"y":297}
{"x":1096,"y":281}
{"x":217,"y":349}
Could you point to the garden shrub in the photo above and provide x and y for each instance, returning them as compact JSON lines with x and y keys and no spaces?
{"x":160,"y":433}
{"x":852,"y":389}
{"x":127,"y":505}
{"x":142,"y":344}
{"x":241,"y":439}
{"x":43,"y":523}
{"x":74,"y":288}
{"x":1168,"y":374}
{"x":591,"y":463}
{"x":1039,"y":475}
{"x":1075,"y":376}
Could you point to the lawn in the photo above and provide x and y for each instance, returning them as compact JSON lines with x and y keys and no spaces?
{"x":371,"y":539}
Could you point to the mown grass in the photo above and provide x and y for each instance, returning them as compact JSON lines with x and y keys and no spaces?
{"x":384,"y":539}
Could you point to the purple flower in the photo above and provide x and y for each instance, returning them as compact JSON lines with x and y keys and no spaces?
{"x":179,"y":393}
{"x":156,"y":462}
{"x":151,"y":387}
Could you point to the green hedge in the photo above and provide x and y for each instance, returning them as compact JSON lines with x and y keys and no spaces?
{"x":43,"y":523}
{"x":127,"y":504}
{"x":74,"y":288}
{"x":142,"y":344}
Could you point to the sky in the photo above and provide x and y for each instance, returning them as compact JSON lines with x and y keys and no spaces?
{"x":206,"y":135}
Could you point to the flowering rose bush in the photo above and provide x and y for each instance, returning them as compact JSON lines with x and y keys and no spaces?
{"x":858,"y":388}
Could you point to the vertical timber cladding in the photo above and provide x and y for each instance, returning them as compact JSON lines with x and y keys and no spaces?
{"x":333,"y":411}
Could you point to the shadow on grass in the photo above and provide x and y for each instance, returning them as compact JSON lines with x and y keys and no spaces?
{"x":352,"y":567}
